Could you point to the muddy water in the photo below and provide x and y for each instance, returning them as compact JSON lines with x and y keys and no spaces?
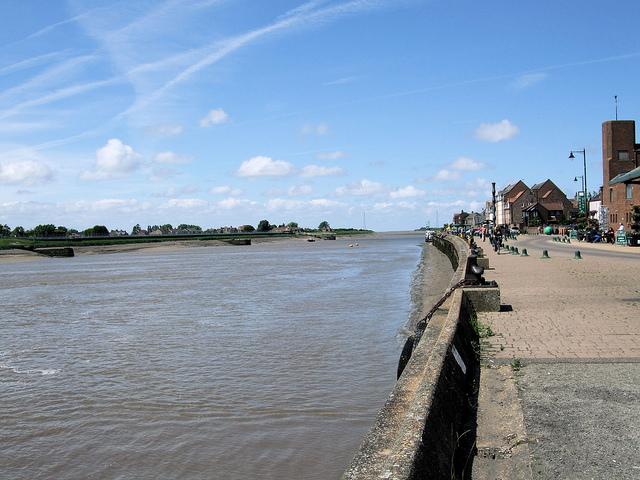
{"x":269,"y":361}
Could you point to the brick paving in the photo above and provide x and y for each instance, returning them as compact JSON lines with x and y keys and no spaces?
{"x":565,"y":309}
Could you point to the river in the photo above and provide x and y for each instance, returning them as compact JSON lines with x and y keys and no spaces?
{"x":269,"y":361}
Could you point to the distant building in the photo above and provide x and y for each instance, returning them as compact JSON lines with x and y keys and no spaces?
{"x":620,"y":171}
{"x":460,"y":218}
{"x":549,"y":204}
{"x":596,"y":212}
{"x":474,"y":219}
{"x":118,"y":233}
{"x":510,"y":201}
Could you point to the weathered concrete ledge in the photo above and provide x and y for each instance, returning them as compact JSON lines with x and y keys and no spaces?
{"x":426,"y":429}
{"x":55,"y":251}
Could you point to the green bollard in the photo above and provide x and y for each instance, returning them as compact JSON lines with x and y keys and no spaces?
{"x":515,"y":251}
{"x":577,"y":255}
{"x":524,"y":253}
{"x":568,"y":240}
{"x":545,"y":254}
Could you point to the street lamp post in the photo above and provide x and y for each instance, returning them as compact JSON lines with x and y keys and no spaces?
{"x":584,"y":186}
{"x":581,"y":177}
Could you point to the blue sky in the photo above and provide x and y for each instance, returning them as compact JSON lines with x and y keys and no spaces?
{"x":224,"y":112}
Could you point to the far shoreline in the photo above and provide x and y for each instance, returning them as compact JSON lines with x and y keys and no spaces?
{"x":171,"y":245}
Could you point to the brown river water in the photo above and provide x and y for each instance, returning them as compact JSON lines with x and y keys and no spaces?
{"x":269,"y":361}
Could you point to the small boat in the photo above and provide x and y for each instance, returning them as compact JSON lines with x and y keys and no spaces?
{"x":311,"y":239}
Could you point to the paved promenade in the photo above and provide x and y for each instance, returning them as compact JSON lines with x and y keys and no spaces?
{"x":571,"y":407}
{"x":565,"y":308}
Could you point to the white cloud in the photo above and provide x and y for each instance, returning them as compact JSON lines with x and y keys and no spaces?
{"x":231,"y":203}
{"x":529,"y":79}
{"x":171,"y":158}
{"x":407,"y":192}
{"x":315,"y":129}
{"x":105,"y":204}
{"x":225,"y":190}
{"x":284,"y":204}
{"x":394,"y":206}
{"x":166,"y":130}
{"x":446,"y":175}
{"x":186,"y":203}
{"x":362,"y":188}
{"x":290,"y":204}
{"x":338,"y":154}
{"x":110,"y":203}
{"x":113,"y":160}
{"x":496,"y":132}
{"x":319,"y":171}
{"x":261,"y":166}
{"x":340,"y":81}
{"x":299,"y":190}
{"x":324,"y":202}
{"x":24,"y":172}
{"x":173,"y":192}
{"x":215,"y":117}
{"x":467,"y":164}
{"x":159,"y":174}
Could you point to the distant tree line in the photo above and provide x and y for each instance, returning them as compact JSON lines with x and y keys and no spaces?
{"x":51,"y":230}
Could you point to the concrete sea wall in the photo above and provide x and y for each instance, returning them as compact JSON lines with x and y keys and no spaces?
{"x":426,"y":428}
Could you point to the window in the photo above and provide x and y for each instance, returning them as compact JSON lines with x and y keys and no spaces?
{"x":629,"y":192}
{"x":611,"y":195}
{"x":623,"y":155}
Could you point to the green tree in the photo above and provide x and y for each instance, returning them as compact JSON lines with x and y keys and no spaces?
{"x":97,"y":231}
{"x":189,"y":228}
{"x":18,"y":231}
{"x":324,"y":225}
{"x":292,"y":225}
{"x":136,"y":229}
{"x":166,"y":228}
{"x":5,"y":231}
{"x":264,"y":226}
{"x":47,"y":230}
{"x":60,"y":231}
{"x":247,"y":228}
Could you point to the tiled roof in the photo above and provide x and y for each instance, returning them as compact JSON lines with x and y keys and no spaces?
{"x":553,"y":205}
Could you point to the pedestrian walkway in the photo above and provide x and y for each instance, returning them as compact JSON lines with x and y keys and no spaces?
{"x":562,"y":308}
{"x":567,"y":403}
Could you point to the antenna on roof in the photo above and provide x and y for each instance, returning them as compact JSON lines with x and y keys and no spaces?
{"x":615,"y":97}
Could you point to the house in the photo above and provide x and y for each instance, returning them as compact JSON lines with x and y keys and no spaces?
{"x":474,"y":219}
{"x":510,"y":201}
{"x":620,"y":172}
{"x":596,"y":211}
{"x":552,"y":200}
{"x":460,"y":218}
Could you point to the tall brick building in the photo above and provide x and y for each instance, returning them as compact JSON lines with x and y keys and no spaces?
{"x":620,"y":173}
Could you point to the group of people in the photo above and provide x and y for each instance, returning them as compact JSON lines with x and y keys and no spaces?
{"x":496,"y":236}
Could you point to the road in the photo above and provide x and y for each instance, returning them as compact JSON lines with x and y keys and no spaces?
{"x":536,"y":243}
